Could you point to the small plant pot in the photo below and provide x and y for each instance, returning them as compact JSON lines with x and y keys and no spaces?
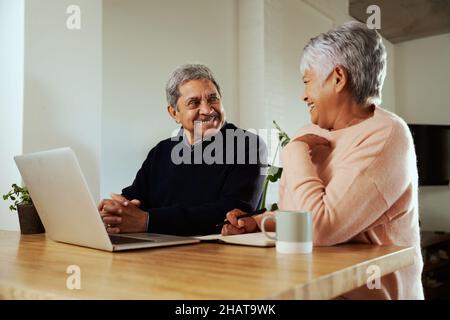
{"x":29,"y":220}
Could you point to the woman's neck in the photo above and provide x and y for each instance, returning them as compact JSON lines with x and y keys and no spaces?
{"x":352,"y":113}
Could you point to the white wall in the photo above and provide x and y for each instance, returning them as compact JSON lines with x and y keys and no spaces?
{"x":251,"y":68}
{"x":423,"y":86}
{"x":11,"y":90}
{"x":289,"y":24}
{"x":423,"y":96}
{"x":143,"y":42}
{"x":337,"y":11}
{"x":62,"y":94}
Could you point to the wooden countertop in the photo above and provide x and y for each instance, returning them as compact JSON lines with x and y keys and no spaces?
{"x":34,"y":267}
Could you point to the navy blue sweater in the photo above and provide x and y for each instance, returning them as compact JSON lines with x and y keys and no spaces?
{"x":190,"y":198}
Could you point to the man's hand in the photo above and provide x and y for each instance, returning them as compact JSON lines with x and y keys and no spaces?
{"x":312,"y":140}
{"x":238,"y":226}
{"x":119,"y":198}
{"x":122,"y":216}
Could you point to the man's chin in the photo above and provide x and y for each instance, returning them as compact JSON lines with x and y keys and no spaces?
{"x":212,"y":126}
{"x":208,"y":132}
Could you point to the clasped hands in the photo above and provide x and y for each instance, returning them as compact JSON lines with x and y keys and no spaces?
{"x":121,"y":215}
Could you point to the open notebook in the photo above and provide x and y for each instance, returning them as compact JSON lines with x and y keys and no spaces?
{"x":257,"y":239}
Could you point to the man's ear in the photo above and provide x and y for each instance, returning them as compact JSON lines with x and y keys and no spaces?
{"x":340,"y":78}
{"x":173,"y":113}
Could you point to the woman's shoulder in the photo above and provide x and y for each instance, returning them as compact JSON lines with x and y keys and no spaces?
{"x":389,"y":121}
{"x":310,"y":128}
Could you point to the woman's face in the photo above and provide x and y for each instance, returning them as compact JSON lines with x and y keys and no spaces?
{"x":321,"y":99}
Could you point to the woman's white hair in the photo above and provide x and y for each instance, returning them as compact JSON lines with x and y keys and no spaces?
{"x":359,"y":50}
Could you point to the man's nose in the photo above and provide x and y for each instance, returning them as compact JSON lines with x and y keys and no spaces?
{"x":305,"y":97}
{"x":205,"y":107}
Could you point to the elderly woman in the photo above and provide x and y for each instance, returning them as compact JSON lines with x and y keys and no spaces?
{"x":355,"y":167}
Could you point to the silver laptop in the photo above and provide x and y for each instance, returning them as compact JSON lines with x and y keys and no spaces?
{"x":68,"y":211}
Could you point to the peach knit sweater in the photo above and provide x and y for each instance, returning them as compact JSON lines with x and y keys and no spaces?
{"x":361,"y":190}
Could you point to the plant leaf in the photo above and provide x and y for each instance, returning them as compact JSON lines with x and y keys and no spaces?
{"x":282,"y":136}
{"x":274,"y":207}
{"x":274,"y":173}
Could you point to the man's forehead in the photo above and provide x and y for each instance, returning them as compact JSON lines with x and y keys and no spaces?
{"x":197,"y":89}
{"x":198,"y":95}
{"x":197,"y":83}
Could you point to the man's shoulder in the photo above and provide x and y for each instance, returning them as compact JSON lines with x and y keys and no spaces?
{"x":251,"y":142}
{"x":163,"y":146}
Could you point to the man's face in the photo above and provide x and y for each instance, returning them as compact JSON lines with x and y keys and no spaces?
{"x":200,"y":106}
{"x":321,"y":99}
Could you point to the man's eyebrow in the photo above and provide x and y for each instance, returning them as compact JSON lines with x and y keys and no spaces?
{"x":212,"y":94}
{"x":192,"y":98}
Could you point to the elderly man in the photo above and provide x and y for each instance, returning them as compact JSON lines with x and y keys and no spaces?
{"x":187,"y":184}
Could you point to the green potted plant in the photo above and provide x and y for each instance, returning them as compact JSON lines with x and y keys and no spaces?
{"x":29,"y":220}
{"x":274,"y":173}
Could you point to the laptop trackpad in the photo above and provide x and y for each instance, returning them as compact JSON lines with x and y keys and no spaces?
{"x":126,"y":240}
{"x":154,"y":237}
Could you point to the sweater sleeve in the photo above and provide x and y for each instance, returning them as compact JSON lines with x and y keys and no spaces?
{"x":364,"y":186}
{"x":141,"y":183}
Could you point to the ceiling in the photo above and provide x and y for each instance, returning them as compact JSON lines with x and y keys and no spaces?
{"x":403,"y":20}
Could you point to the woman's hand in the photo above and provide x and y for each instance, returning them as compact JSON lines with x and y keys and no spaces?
{"x":238,"y":226}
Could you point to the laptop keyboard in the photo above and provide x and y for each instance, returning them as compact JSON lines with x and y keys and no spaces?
{"x":125,"y":240}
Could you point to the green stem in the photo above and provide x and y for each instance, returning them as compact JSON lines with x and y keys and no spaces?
{"x":263,"y":202}
{"x":266,"y":182}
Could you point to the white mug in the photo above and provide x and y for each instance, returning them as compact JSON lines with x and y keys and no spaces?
{"x":293,"y":231}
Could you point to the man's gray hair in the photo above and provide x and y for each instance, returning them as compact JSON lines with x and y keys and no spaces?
{"x":359,"y":50}
{"x":183,"y":74}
